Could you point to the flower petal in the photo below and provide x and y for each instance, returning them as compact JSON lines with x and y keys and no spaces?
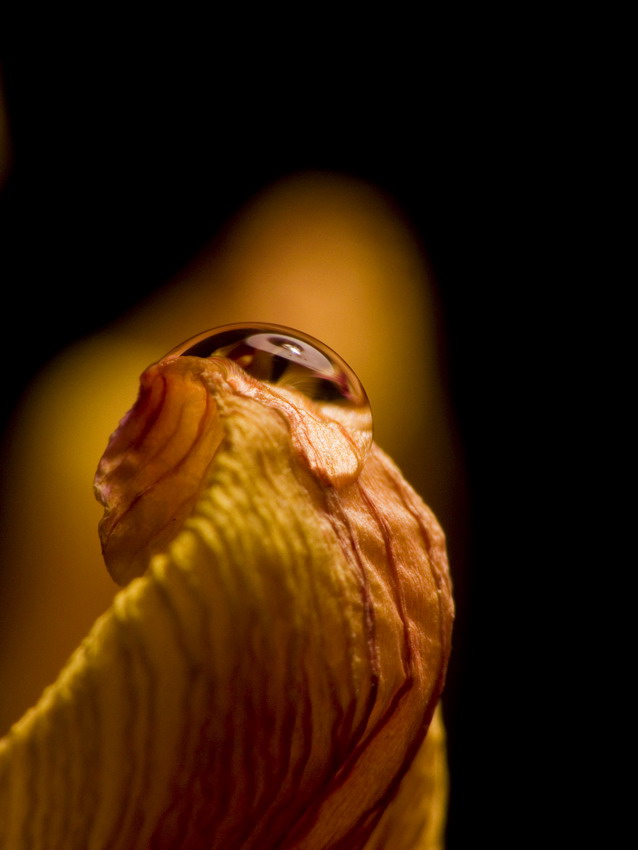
{"x":269,"y":673}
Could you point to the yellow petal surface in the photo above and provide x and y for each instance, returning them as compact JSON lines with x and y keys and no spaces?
{"x":268,"y":674}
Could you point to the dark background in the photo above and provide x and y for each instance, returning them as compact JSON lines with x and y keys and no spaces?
{"x":128,"y":152}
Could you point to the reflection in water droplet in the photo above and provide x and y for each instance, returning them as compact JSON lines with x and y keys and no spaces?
{"x":293,"y":360}
{"x":292,"y":347}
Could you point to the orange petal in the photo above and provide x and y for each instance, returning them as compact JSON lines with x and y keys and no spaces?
{"x":269,"y":677}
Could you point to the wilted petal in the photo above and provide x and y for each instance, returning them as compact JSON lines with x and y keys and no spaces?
{"x":269,"y":677}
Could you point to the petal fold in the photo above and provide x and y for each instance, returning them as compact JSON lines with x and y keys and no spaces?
{"x":268,"y":675}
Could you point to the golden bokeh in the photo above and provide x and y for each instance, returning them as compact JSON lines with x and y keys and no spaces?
{"x":325,"y":254}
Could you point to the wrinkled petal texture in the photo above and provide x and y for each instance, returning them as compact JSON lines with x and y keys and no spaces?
{"x":268,"y":674}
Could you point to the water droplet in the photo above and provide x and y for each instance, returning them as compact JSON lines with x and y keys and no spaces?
{"x":289,"y":358}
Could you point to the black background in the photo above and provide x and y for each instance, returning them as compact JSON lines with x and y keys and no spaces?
{"x":130,"y":150}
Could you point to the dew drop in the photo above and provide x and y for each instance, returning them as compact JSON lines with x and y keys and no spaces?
{"x":288,"y":358}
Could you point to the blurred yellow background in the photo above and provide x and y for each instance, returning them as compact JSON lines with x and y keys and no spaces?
{"x":325,"y":254}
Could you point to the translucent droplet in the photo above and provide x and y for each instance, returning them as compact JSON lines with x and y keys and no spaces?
{"x":289,"y":358}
